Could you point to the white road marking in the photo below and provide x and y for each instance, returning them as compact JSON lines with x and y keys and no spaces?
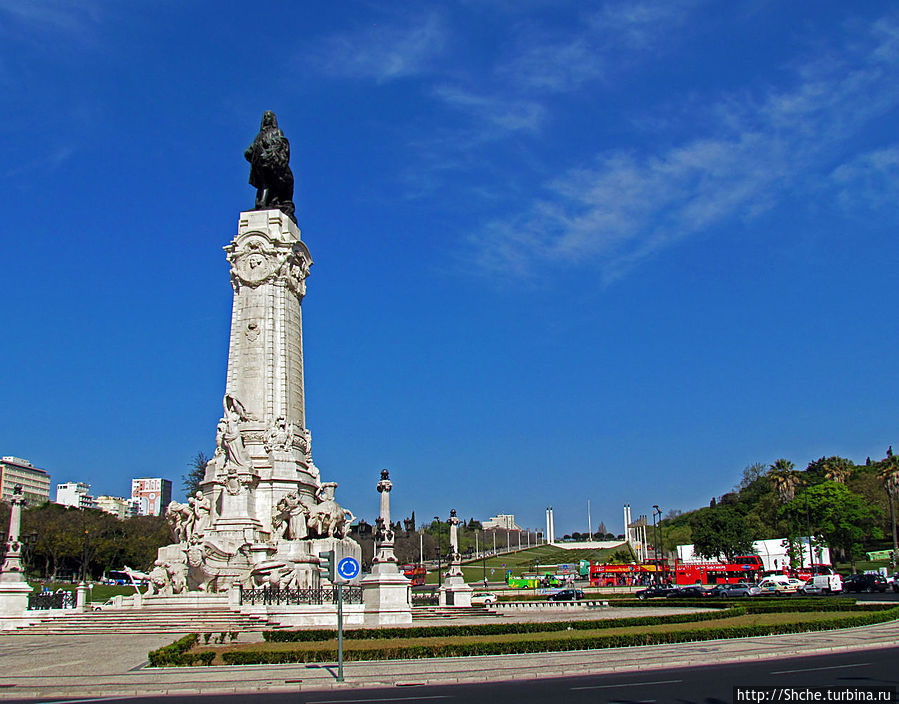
{"x":382,"y":699}
{"x":630,"y":684}
{"x":815,"y":669}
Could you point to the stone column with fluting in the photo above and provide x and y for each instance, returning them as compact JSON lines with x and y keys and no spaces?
{"x":386,"y":592}
{"x":12,"y":571}
{"x":385,"y":536}
{"x":454,"y":591}
{"x":14,"y":590}
{"x":455,"y":568}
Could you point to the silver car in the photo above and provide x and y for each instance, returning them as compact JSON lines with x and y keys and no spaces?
{"x":739,"y":589}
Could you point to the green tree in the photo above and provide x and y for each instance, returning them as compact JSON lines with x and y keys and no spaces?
{"x":889,"y":475}
{"x":191,"y":480}
{"x":842,"y":518}
{"x":721,"y":531}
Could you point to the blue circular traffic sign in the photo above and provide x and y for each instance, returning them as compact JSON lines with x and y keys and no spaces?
{"x":348,"y":568}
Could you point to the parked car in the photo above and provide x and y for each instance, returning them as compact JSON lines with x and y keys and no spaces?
{"x":865,"y":583}
{"x":694,"y":591}
{"x":738,"y":589}
{"x":566,"y":595}
{"x":780,"y":584}
{"x":485,"y":598}
{"x":893,"y":581}
{"x":653,"y":592}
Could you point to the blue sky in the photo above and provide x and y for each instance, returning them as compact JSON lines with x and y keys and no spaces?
{"x":563,"y":251}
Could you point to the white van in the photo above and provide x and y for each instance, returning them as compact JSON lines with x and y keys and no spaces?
{"x":823,"y":584}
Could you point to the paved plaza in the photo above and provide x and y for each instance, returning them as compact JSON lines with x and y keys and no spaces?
{"x":89,"y":666}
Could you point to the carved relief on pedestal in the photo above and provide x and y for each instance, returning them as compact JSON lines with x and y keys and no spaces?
{"x":256,"y":259}
{"x":280,"y":435}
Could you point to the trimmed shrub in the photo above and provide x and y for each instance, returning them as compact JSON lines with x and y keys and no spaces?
{"x":557,"y":645}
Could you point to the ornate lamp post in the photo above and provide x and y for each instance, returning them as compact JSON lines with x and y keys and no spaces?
{"x":439,"y":573}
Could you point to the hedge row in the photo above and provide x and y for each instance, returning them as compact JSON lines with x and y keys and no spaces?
{"x":492,"y":629}
{"x":176,"y":653}
{"x":557,"y":645}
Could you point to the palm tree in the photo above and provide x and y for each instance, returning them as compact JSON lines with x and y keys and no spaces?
{"x":785,"y":481}
{"x":889,"y":475}
{"x":836,"y":471}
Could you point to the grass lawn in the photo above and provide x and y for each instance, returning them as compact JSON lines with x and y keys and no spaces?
{"x":100,"y":592}
{"x":525,"y":560}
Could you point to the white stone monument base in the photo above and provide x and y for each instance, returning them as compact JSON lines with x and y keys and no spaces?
{"x":14,"y":605}
{"x":387,"y":596}
{"x":309,"y":615}
{"x":455,"y":592}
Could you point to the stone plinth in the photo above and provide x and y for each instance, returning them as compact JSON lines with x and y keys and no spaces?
{"x":455,"y":592}
{"x":387,"y":595}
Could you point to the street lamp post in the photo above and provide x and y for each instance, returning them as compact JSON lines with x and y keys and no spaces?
{"x":439,"y":575}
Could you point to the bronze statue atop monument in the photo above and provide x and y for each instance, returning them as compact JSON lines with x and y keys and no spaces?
{"x":270,"y":174}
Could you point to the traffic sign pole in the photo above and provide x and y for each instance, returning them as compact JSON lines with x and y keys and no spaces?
{"x":340,"y":631}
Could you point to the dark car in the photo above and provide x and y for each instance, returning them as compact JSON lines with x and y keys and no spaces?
{"x":652,"y":592}
{"x":865,"y":583}
{"x":691,"y":592}
{"x":566,"y":595}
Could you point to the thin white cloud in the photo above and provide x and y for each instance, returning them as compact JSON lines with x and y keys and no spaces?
{"x":384,"y":52}
{"x":870,"y":179}
{"x":496,"y":111}
{"x":53,"y":15}
{"x":47,"y":163}
{"x":626,"y":206}
{"x":616,"y":34}
{"x":638,"y":24}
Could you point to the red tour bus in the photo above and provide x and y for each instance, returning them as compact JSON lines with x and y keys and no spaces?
{"x":627,"y":575}
{"x":747,"y":568}
{"x":416,"y":573}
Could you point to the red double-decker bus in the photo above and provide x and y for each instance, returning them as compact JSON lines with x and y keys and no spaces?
{"x":747,"y":568}
{"x":416,"y":573}
{"x":627,"y":575}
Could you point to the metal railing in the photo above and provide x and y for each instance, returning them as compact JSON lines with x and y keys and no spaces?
{"x":51,"y":600}
{"x":311,"y":595}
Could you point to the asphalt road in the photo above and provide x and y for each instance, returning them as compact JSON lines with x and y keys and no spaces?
{"x":703,"y":685}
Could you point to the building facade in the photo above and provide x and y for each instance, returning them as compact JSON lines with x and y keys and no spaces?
{"x":118,"y":506}
{"x":34,"y":480}
{"x":504,"y":521}
{"x":75,"y":494}
{"x":151,"y":495}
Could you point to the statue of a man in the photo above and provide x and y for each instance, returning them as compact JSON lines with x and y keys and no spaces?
{"x":269,"y":155}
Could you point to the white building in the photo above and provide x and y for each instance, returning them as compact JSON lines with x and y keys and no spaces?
{"x":75,"y":494}
{"x":504,"y":521}
{"x":773,"y":553}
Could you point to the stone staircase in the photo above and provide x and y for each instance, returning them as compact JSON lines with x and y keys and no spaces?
{"x":147,"y":620}
{"x":424,"y":613}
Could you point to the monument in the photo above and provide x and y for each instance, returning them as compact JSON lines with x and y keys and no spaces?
{"x":454,"y":591}
{"x":14,"y":590}
{"x":263,"y":514}
{"x":386,"y":592}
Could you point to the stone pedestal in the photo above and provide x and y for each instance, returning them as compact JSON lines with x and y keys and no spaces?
{"x":387,"y":595}
{"x":454,"y":592}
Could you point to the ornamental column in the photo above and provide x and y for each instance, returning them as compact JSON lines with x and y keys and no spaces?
{"x":384,"y":536}
{"x":14,"y":590}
